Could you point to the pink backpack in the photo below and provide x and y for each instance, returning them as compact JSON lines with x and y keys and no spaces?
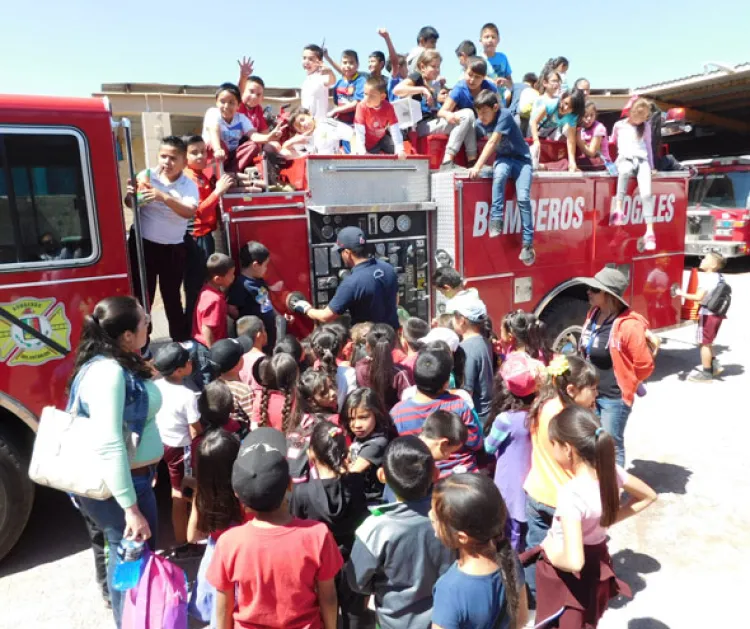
{"x":160,"y":600}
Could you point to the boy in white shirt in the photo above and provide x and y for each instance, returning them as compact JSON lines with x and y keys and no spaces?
{"x":314,"y":96}
{"x":178,"y":421}
{"x":224,"y":130}
{"x":167,"y":199}
{"x":315,"y":136}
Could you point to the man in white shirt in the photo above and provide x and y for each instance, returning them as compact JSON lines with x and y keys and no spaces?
{"x":167,"y":200}
{"x":319,"y":79}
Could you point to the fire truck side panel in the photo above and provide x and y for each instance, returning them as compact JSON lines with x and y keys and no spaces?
{"x":573,"y":238}
{"x":279,"y":221}
{"x":58,"y":184}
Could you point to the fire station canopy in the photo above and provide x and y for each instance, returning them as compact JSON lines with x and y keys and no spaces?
{"x":716,"y":102}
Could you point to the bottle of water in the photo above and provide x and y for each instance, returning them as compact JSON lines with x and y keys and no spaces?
{"x":129,"y":563}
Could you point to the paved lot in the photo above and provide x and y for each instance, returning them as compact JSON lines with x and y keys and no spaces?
{"x":685,"y":558}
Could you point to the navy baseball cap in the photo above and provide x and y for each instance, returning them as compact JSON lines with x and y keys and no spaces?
{"x":260,"y":474}
{"x":350,"y":237}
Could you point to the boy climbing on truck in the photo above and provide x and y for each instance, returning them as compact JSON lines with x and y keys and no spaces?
{"x":512,"y":159}
{"x":714,"y":295}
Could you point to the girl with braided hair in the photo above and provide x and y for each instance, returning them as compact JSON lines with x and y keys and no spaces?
{"x":484,"y":588}
{"x":328,"y":343}
{"x":277,"y":406}
{"x":337,"y":498}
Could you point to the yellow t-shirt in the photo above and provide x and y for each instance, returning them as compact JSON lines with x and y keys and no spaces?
{"x":546,"y":476}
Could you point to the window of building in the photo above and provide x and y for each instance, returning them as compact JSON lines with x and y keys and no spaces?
{"x":46,"y":213}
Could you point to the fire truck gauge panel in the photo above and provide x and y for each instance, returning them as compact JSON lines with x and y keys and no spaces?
{"x":387,"y":224}
{"x":403,"y":223}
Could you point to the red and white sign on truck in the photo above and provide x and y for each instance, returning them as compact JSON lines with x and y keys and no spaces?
{"x":719,"y":207}
{"x":63,"y":248}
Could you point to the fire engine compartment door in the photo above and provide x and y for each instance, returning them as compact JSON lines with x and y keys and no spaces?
{"x":398,"y":237}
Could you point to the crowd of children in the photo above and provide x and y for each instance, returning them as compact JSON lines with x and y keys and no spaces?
{"x":437,"y":475}
{"x":483,"y":109}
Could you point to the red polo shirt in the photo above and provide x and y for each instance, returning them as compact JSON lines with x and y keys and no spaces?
{"x":211,"y":310}
{"x":205,"y":219}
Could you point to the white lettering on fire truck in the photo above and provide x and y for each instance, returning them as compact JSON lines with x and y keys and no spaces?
{"x":632,"y":209}
{"x":550,"y":214}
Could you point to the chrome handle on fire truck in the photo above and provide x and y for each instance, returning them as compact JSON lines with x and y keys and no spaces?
{"x":140,"y":255}
{"x":278,"y":206}
{"x":367,"y":169}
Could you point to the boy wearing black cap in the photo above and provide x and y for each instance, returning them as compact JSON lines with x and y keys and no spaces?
{"x":396,"y":555}
{"x":275,"y":570}
{"x":178,"y":421}
{"x":227,"y":360}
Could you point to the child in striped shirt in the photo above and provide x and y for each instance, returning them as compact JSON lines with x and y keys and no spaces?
{"x":432,"y":373}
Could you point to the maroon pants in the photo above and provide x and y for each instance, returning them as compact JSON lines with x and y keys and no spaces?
{"x":167,"y":264}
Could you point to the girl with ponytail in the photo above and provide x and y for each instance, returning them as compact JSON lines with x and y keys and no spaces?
{"x":112,"y":383}
{"x":586,"y":507}
{"x":277,"y":406}
{"x":484,"y":588}
{"x":570,"y":380}
{"x":337,"y":498}
{"x":378,"y":371}
{"x":328,"y":343}
{"x":524,"y":332}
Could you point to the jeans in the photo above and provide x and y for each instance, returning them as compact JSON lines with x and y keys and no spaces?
{"x":626,"y":168}
{"x":614,"y":414}
{"x":521,"y":172}
{"x":199,"y":249}
{"x":109,"y":516}
{"x":539,"y":521}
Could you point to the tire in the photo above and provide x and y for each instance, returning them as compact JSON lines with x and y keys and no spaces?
{"x":564,"y":319}
{"x":16,"y":495}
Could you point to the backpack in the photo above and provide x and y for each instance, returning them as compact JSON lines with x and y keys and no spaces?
{"x":160,"y":600}
{"x":719,"y":299}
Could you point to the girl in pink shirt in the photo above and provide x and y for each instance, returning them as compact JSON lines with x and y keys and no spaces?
{"x":593,"y":143}
{"x":574,"y":569}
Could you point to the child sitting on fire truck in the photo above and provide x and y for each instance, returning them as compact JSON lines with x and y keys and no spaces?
{"x":512,"y":159}
{"x":374,"y":119}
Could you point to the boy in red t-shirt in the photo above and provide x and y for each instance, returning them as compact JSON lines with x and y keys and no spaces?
{"x":210,"y":316}
{"x":252,"y":88}
{"x":374,"y":118}
{"x":275,"y":570}
{"x":200,"y":238}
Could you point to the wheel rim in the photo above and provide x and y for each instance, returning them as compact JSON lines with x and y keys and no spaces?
{"x":567,"y":341}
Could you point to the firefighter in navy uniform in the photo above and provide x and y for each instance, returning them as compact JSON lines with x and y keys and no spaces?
{"x":369,"y":293}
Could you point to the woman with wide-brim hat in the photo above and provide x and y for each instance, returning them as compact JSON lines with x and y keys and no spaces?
{"x":615,"y":340}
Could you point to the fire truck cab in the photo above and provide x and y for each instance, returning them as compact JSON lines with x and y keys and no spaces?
{"x":719,"y":207}
{"x":63,"y":248}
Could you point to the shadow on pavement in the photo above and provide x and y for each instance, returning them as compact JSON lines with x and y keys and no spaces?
{"x":629,"y":566}
{"x":646,"y":623}
{"x":664,"y":478}
{"x":677,"y":357}
{"x":55,"y":530}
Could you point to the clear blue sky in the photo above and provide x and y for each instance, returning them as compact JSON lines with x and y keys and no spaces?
{"x":72,"y":47}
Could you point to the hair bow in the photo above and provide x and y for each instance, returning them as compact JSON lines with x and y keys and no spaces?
{"x":335,"y":431}
{"x":558,"y":365}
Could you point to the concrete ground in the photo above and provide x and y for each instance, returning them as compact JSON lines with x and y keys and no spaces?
{"x":685,"y":558}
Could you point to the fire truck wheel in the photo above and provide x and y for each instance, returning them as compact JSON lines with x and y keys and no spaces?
{"x":16,"y":496}
{"x":564,"y":318}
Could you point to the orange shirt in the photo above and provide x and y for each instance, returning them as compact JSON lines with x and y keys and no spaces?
{"x":546,"y":476}
{"x":205,"y":219}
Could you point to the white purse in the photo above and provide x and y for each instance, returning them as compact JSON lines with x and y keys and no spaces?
{"x":63,"y":457}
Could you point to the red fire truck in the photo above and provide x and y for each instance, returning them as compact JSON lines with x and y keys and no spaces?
{"x":62,"y":248}
{"x":719,"y":207}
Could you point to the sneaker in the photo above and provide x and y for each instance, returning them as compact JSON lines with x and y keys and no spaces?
{"x":649,"y":242}
{"x":616,"y":218}
{"x":528,"y":255}
{"x":701,"y":375}
{"x":496,"y":227}
{"x":716,"y":368}
{"x":452,"y":167}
